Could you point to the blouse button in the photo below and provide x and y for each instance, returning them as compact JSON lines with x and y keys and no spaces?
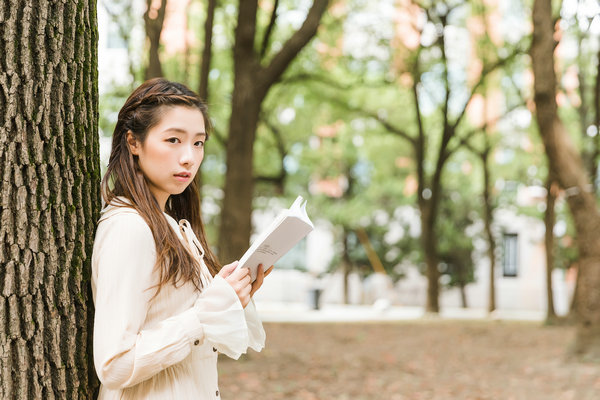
{"x":214,"y":349}
{"x":217,"y":393}
{"x":196,"y":342}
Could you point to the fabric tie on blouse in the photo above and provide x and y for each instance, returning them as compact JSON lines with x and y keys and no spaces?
{"x":192,"y":244}
{"x":249,"y":333}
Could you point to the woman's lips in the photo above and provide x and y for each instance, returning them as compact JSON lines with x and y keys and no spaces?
{"x":183,"y":177}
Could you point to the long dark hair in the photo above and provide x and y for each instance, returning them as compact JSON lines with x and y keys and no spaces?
{"x":142,"y":111}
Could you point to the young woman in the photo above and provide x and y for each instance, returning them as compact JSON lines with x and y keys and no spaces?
{"x":164,"y":307}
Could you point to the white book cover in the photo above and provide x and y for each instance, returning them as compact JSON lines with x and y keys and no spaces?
{"x":286,"y":230}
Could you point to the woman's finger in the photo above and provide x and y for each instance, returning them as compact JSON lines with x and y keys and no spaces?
{"x":244,"y":296}
{"x":267,"y":272}
{"x":228,"y":269}
{"x":260,"y":275}
{"x":246,"y":280}
{"x":240,"y":273}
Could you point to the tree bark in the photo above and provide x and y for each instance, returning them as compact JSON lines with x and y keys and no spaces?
{"x":489,"y":219}
{"x":205,"y":67}
{"x":49,"y":197}
{"x":251,"y":84}
{"x":588,"y":111}
{"x":347,"y":264}
{"x":572,"y":317}
{"x":463,"y":296}
{"x":428,"y":241}
{"x":594,"y":171}
{"x":154,"y":25}
{"x":566,"y":162}
{"x":549,"y":221}
{"x":207,"y":50}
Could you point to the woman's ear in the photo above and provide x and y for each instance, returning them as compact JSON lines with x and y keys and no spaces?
{"x":133,"y":143}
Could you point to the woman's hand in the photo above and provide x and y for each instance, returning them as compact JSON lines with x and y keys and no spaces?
{"x":239,"y":279}
{"x":260,"y":276}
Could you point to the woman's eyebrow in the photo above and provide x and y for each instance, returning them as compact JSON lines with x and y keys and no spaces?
{"x":181,"y":130}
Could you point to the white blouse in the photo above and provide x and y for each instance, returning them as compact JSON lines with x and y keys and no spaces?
{"x":162,"y":347}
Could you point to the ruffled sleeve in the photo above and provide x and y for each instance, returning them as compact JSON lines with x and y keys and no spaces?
{"x":256,"y":332}
{"x":225,"y":322}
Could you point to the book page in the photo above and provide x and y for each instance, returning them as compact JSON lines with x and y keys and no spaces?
{"x":285,"y":232}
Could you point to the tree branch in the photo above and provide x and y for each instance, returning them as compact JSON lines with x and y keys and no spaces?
{"x":385,"y":123}
{"x":306,"y":76}
{"x":279,"y":63}
{"x":484,"y":73}
{"x":267,"y":37}
{"x":219,"y":137}
{"x":279,"y":179}
{"x":244,"y":34}
{"x":445,"y":116}
{"x":207,"y":50}
{"x":465,"y":138}
{"x":278,"y":136}
{"x":420,"y":142}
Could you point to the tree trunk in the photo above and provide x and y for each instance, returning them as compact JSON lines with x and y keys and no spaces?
{"x":153,"y":21}
{"x":251,"y":84}
{"x":488,"y":213}
{"x":207,"y":50}
{"x":594,"y":171}
{"x":205,"y":67}
{"x":236,"y":211}
{"x":572,"y":317}
{"x":549,"y":220}
{"x":463,"y":296}
{"x":571,"y":175}
{"x":49,"y":197}
{"x":187,"y":50}
{"x":347,"y":264}
{"x":588,"y":113}
{"x":428,"y":241}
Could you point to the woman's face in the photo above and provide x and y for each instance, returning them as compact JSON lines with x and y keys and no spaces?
{"x":172,"y":151}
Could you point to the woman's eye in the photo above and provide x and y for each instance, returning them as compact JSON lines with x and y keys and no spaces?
{"x":199,"y":143}
{"x":172,"y":140}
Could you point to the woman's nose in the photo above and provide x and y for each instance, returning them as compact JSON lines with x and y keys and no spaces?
{"x":187,"y":156}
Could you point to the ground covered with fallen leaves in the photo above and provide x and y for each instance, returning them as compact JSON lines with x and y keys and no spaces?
{"x":428,"y":359}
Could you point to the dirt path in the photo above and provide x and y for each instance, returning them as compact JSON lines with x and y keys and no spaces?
{"x":430,"y":359}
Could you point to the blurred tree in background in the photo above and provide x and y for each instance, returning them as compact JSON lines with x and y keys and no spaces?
{"x":255,"y":72}
{"x":567,"y":163}
{"x":154,"y":18}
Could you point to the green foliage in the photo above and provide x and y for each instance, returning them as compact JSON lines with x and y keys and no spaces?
{"x":391,"y":254}
{"x":109,"y":105}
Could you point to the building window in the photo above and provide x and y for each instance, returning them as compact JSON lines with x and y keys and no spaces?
{"x":510,"y":254}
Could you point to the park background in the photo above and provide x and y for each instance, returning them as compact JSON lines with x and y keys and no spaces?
{"x":448,"y":151}
{"x":360,"y":178}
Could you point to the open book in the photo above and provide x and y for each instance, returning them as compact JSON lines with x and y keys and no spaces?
{"x":285,"y":232}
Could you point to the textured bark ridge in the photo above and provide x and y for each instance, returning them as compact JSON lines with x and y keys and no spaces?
{"x":49,"y":197}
